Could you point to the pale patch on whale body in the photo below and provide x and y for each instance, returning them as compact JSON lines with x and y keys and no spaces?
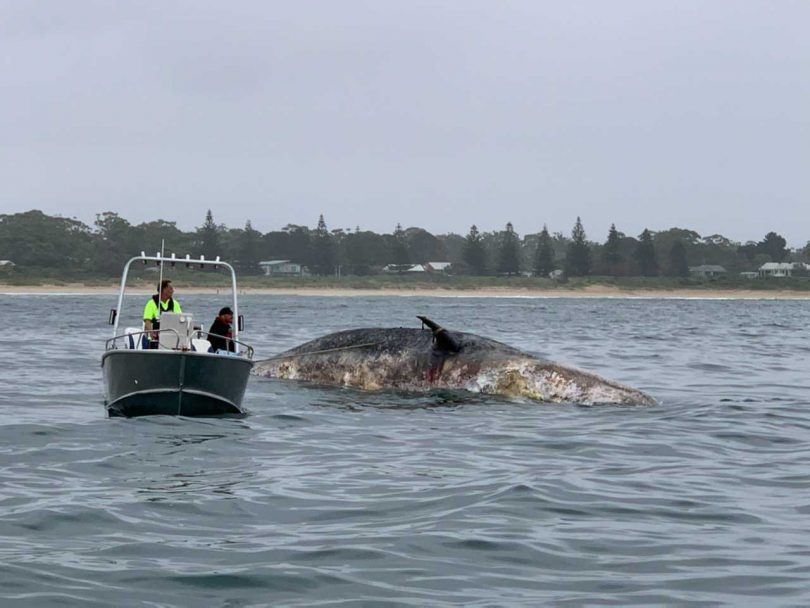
{"x":525,"y":378}
{"x":418,"y":360}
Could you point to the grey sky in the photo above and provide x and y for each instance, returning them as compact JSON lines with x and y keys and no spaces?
{"x":436,"y":114}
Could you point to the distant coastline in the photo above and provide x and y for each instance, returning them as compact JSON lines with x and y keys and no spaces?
{"x":586,"y":291}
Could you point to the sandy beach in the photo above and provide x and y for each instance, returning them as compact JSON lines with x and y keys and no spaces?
{"x":591,"y":291}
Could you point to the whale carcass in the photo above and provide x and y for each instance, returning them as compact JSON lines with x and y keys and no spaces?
{"x":412,"y":359}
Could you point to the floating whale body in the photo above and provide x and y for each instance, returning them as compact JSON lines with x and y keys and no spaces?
{"x":411,"y":359}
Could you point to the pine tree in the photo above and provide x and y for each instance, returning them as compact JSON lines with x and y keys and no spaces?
{"x":544,"y":255}
{"x":578,"y":256}
{"x":509,"y":251}
{"x":208,"y":237}
{"x":645,"y":255}
{"x":474,"y":253}
{"x":400,"y":251}
{"x":323,"y":250}
{"x":611,"y":253}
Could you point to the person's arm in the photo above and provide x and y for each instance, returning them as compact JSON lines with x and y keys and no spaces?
{"x":149,"y":312}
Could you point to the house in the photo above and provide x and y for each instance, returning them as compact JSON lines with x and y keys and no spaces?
{"x":283,"y":268}
{"x":6,"y":265}
{"x":749,"y":275}
{"x":776,"y":269}
{"x":707,"y":270}
{"x":400,"y":268}
{"x":440,"y":267}
{"x":783,"y":269}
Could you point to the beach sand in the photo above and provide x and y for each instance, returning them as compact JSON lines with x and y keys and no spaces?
{"x":591,"y":291}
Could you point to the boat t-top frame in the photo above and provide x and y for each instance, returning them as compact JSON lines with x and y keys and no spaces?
{"x":173,"y":261}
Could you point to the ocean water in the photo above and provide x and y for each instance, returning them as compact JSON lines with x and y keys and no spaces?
{"x":332,"y":497}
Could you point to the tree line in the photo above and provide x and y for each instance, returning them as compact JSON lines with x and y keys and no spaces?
{"x":41,"y":244}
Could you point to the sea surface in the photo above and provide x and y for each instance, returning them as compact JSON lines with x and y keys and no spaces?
{"x":333,"y":497}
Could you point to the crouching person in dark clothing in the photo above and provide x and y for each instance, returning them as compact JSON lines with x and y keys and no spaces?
{"x":220,"y":335}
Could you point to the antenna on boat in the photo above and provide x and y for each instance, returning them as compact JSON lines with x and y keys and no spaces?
{"x":160,"y":276}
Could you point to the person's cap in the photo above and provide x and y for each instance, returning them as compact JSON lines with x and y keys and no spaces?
{"x":225,"y":311}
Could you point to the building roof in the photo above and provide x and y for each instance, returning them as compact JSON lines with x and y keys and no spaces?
{"x":439,"y":265}
{"x":273,"y":262}
{"x":707,"y":268}
{"x":777,"y":266}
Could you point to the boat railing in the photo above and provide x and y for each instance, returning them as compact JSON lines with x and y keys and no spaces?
{"x":136,"y":336}
{"x":248,"y":349}
{"x":112,"y":343}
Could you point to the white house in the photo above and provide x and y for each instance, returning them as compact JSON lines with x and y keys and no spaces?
{"x":437,"y":266}
{"x":400,"y":268}
{"x":776,"y":269}
{"x":282,"y":268}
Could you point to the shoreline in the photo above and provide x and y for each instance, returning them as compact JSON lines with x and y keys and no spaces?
{"x":590,"y":291}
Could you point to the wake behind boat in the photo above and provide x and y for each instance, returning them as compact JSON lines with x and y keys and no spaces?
{"x":173,"y":370}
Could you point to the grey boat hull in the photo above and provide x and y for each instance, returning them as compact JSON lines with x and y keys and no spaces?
{"x":173,"y":383}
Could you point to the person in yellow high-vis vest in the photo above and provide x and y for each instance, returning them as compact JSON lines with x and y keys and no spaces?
{"x":157,"y":305}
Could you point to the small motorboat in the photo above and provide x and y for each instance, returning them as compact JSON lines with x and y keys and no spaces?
{"x":176,"y":373}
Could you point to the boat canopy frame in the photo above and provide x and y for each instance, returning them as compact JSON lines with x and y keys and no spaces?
{"x":174,"y":260}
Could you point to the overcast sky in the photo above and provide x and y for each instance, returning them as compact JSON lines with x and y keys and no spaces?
{"x":436,"y":114}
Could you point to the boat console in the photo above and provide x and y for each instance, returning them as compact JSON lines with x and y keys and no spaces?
{"x":175,"y":331}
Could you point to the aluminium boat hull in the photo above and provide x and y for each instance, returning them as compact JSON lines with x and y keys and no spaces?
{"x":173,"y":383}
